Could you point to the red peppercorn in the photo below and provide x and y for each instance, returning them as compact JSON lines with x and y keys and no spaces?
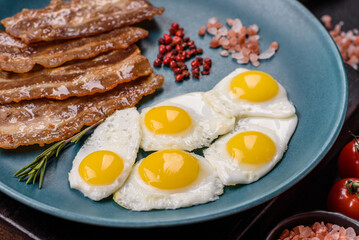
{"x":168,"y":48}
{"x":179,"y":77}
{"x":195,"y":75}
{"x":180,"y":58}
{"x":177,"y":40}
{"x":180,"y":64}
{"x":174,"y":52}
{"x":175,"y":25}
{"x":167,"y":61}
{"x":193,"y":52}
{"x":195,"y":63}
{"x":190,"y":43}
{"x":162,"y":49}
{"x":195,"y":70}
{"x":172,"y":31}
{"x":173,"y":64}
{"x":199,"y":50}
{"x":179,"y":48}
{"x":208,"y":60}
{"x":186,"y":39}
{"x":177,"y":70}
{"x":161,"y":40}
{"x":157,"y":62}
{"x":179,"y":33}
{"x":168,"y":38}
{"x":184,"y":67}
{"x":186,"y":74}
{"x":206,"y":66}
{"x":205,"y":72}
{"x":200,"y":60}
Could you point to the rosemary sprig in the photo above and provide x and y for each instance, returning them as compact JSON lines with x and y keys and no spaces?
{"x":31,"y":170}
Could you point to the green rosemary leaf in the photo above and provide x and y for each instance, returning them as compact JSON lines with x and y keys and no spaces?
{"x":42,"y":175}
{"x":32,"y":170}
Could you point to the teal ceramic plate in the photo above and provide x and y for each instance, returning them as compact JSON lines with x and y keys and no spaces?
{"x":307,"y":64}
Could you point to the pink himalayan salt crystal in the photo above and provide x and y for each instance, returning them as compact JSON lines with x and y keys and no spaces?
{"x":255,"y":27}
{"x":229,"y":22}
{"x":238,"y":39}
{"x":319,"y":231}
{"x":256,"y":63}
{"x":237,"y":25}
{"x":274,"y":45}
{"x":224,"y":41}
{"x":251,"y":31}
{"x":213,"y":20}
{"x":214,"y":43}
{"x":224,"y":53}
{"x":212,"y":30}
{"x":327,"y":20}
{"x":346,"y":41}
{"x":223,"y":31}
{"x":237,"y":55}
{"x":267,"y":54}
{"x":202,"y":31}
{"x":253,"y":57}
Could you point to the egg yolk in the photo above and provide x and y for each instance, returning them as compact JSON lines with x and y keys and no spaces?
{"x":254,"y":86}
{"x":251,"y":147}
{"x":101,"y":167}
{"x":167,"y":120}
{"x":169,"y":169}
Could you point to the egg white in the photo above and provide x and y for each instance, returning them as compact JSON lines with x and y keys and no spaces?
{"x":119,"y":133}
{"x":225,"y":102}
{"x":207,"y":125}
{"x":230,"y":171}
{"x":137,"y":195}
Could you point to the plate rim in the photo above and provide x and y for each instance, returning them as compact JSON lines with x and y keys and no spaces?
{"x":288,"y":183}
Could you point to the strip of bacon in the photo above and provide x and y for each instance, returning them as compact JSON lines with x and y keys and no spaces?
{"x":84,"y":77}
{"x":77,"y":18}
{"x":18,"y":57}
{"x":44,"y":121}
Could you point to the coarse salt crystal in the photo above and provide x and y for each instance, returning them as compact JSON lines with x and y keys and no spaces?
{"x":223,"y":41}
{"x":237,"y":55}
{"x":254,"y":37}
{"x":223,"y":31}
{"x":243,"y":60}
{"x":267,"y":54}
{"x":237,"y":25}
{"x":212,"y":30}
{"x":229,"y":21}
{"x":255,"y":27}
{"x":224,"y":53}
{"x":350,"y":232}
{"x":212,"y":20}
{"x":256,"y":63}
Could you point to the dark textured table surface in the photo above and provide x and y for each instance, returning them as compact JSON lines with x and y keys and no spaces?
{"x":18,"y":221}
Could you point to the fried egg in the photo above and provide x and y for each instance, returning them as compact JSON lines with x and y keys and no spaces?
{"x":244,"y":93}
{"x":169,"y":179}
{"x":251,"y":150}
{"x":185,"y":122}
{"x":106,"y":158}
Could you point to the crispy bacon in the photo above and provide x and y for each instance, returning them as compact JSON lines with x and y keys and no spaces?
{"x":77,"y":18}
{"x":18,"y":57}
{"x":81,"y":78}
{"x":44,"y":121}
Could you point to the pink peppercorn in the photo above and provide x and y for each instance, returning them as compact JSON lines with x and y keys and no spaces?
{"x":179,"y":77}
{"x":157,"y":62}
{"x":167,"y":61}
